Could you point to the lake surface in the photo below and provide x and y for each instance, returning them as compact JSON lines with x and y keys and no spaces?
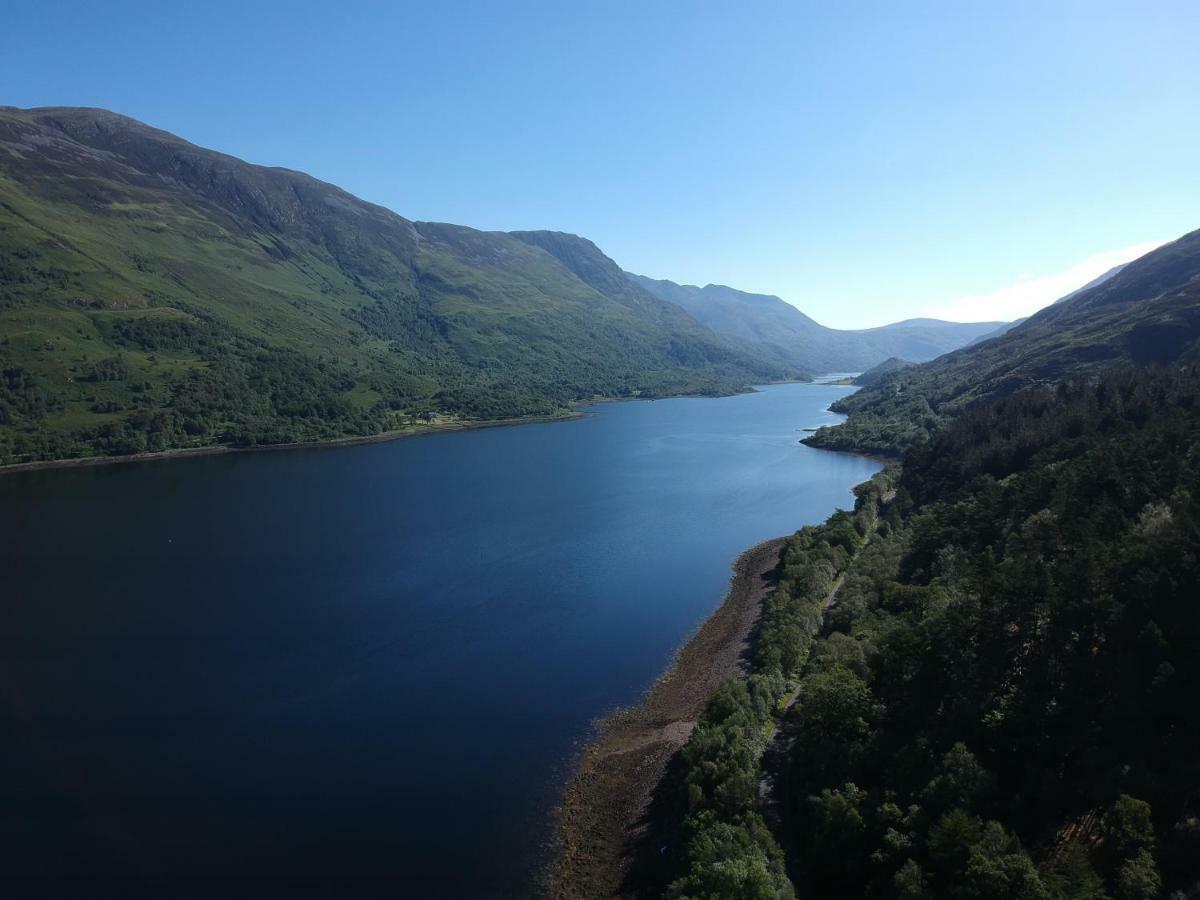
{"x":363,"y":671}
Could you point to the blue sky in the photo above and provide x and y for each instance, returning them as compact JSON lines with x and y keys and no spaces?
{"x":867,"y":162}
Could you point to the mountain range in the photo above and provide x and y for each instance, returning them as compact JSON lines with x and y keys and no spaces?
{"x":792,"y":338}
{"x":157,"y":295}
{"x":1145,"y":313}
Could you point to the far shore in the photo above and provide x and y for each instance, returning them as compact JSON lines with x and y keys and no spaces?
{"x":609,"y":827}
{"x":352,"y":441}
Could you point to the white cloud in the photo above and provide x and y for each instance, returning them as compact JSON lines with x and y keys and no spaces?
{"x":1029,"y":292}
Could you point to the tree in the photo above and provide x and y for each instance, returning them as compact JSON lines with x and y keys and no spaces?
{"x":1138,"y":878}
{"x":834,"y":831}
{"x":910,"y":882}
{"x":1000,"y":870}
{"x":1071,"y":875}
{"x":1128,"y":828}
{"x":833,"y":726}
{"x":961,"y":781}
{"x":950,"y":842}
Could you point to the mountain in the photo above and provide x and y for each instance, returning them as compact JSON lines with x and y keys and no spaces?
{"x":1007,"y":326}
{"x":1144,"y":313}
{"x":155,"y":294}
{"x":792,"y":338}
{"x":885,"y":368}
{"x":1095,"y":282}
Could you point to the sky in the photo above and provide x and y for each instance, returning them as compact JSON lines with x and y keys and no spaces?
{"x":867,"y":162}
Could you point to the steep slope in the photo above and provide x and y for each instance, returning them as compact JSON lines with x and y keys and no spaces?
{"x":585,"y":260}
{"x":1146,"y":313}
{"x":1007,"y":326}
{"x":887,"y":367}
{"x":155,"y":294}
{"x":791,"y":337}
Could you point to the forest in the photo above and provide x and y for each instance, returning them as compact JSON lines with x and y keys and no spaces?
{"x":1001,"y":701}
{"x":728,"y":849}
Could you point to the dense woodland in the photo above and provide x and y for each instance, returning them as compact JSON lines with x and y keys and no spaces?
{"x":1001,"y":702}
{"x":1021,"y":642}
{"x":728,"y":849}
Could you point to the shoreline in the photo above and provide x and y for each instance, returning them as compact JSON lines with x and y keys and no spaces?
{"x":577,"y":413}
{"x":606,"y":816}
{"x":81,"y":462}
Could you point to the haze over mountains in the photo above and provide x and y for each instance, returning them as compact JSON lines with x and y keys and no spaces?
{"x":1146,"y":312}
{"x":155,"y":294}
{"x":790,"y":337}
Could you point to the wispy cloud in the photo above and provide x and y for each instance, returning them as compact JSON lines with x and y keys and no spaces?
{"x":1029,"y":293}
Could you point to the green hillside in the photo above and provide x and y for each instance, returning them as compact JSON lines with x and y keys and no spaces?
{"x":889,"y":366}
{"x":154,"y":295}
{"x":1147,"y":312}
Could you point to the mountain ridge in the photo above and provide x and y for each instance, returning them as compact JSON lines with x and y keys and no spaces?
{"x":155,"y":294}
{"x":1145,"y":313}
{"x":791,"y":335}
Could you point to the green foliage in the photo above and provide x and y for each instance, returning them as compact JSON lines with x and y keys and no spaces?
{"x":1128,"y":828}
{"x":811,"y":562}
{"x":731,"y":858}
{"x":729,"y":853}
{"x":1138,"y":878}
{"x":721,"y":758}
{"x":1148,"y":313}
{"x":834,"y":820}
{"x":1071,"y":875}
{"x":833,"y":724}
{"x":1025,"y":626}
{"x":910,"y":882}
{"x":998,"y":869}
{"x":135,"y":267}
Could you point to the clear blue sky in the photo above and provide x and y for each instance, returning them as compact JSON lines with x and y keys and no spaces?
{"x":867,"y":162}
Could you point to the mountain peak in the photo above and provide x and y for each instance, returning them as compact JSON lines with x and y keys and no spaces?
{"x":791,"y":336}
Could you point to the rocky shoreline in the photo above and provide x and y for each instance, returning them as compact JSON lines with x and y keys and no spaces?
{"x":606,"y":823}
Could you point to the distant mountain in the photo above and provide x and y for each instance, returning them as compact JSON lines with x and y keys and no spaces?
{"x":792,"y":338}
{"x":155,"y":294}
{"x":885,"y":368}
{"x":1144,"y":313}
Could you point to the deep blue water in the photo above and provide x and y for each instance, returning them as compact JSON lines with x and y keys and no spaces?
{"x":363,"y":671}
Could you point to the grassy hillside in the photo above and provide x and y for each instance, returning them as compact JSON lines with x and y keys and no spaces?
{"x":154,"y":294}
{"x":1147,"y":312}
{"x":792,"y":338}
